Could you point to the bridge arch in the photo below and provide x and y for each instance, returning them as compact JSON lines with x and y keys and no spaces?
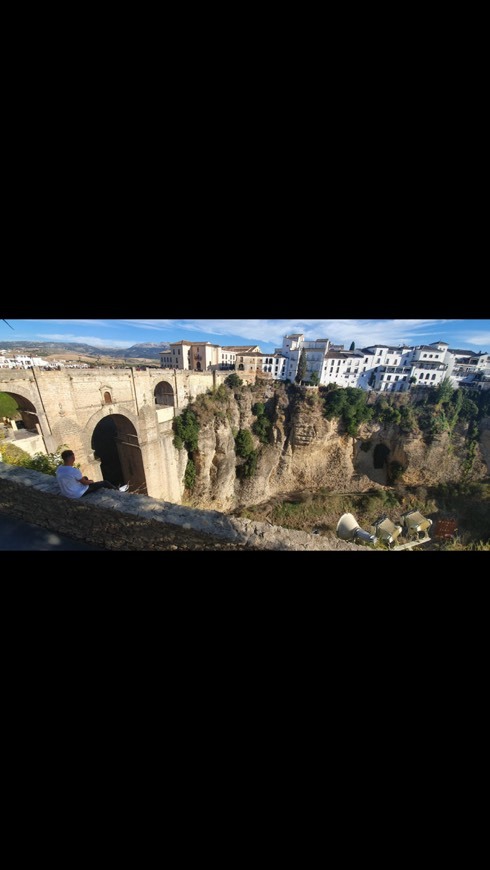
{"x":27,"y":410}
{"x":115,"y":444}
{"x":164,"y":394}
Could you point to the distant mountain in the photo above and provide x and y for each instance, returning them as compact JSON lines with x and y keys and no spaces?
{"x":146,"y":350}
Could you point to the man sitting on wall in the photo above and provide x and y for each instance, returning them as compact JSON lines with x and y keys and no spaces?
{"x":73,"y":484}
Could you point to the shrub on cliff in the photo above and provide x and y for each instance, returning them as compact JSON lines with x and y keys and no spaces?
{"x":233,"y":381}
{"x":244,"y":444}
{"x":190,"y":475}
{"x":244,"y":447}
{"x":262,"y":425}
{"x":348,"y":403}
{"x":186,"y":428}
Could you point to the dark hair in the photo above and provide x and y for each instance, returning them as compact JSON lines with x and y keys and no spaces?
{"x":66,"y":454}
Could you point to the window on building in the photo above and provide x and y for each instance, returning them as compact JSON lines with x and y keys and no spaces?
{"x":388,"y":377}
{"x":433,"y":377}
{"x":396,"y":378}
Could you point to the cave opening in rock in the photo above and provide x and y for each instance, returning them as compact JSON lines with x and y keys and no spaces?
{"x":381,"y":453}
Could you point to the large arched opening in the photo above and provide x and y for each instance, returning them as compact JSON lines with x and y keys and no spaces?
{"x":164,"y":394}
{"x":115,"y":445}
{"x":22,"y":422}
{"x":28,"y":414}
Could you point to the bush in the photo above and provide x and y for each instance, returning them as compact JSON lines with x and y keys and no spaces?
{"x":233,"y":381}
{"x":190,"y":475}
{"x":221,"y":395}
{"x":262,"y":425}
{"x":395,"y":471}
{"x":248,"y":468}
{"x":13,"y":455}
{"x":244,"y":445}
{"x":348,"y":403}
{"x":261,"y":428}
{"x":45,"y":463}
{"x":186,"y":428}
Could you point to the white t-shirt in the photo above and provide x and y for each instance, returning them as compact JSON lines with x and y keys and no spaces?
{"x":67,"y":477}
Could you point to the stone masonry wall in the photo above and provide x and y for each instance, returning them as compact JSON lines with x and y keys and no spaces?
{"x":124,"y":521}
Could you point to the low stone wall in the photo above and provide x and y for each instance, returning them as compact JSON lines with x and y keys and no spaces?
{"x":123,"y":521}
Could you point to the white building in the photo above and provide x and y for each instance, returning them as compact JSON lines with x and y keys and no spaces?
{"x":290,"y":352}
{"x":470,"y":369}
{"x":381,"y":367}
{"x":23,"y":362}
{"x":230,"y":352}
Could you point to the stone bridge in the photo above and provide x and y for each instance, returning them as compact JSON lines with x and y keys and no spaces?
{"x":118,"y":422}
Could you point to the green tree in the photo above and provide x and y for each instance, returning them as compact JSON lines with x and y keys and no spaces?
{"x":444,"y":392}
{"x":301,"y":367}
{"x":190,"y":475}
{"x":469,"y":408}
{"x":244,"y":444}
{"x":186,"y":428}
{"x":261,"y":428}
{"x":233,"y":381}
{"x":314,"y":380}
{"x":244,"y":447}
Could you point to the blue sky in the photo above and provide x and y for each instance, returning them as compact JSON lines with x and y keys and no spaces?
{"x":471,"y":334}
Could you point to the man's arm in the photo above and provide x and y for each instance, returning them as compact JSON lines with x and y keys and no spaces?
{"x":84,"y":480}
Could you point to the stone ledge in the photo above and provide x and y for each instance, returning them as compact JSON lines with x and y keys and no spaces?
{"x":122,"y":521}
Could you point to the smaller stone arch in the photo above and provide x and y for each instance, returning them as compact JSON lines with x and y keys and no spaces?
{"x":106,"y":393}
{"x":164,"y":394}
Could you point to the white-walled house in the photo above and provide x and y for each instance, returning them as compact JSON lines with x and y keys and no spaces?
{"x":195,"y":356}
{"x":24,"y":362}
{"x":470,"y":369}
{"x":380,"y":367}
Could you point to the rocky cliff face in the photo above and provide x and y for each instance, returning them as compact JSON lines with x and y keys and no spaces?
{"x":308,"y":452}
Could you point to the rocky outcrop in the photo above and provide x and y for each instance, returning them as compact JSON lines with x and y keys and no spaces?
{"x":308,"y":452}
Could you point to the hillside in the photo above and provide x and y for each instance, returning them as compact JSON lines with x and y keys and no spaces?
{"x":145,"y":350}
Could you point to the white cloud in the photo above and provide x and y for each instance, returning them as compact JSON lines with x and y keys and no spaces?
{"x":109,"y":324}
{"x":149,"y":324}
{"x":481,"y":340}
{"x":363,"y":332}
